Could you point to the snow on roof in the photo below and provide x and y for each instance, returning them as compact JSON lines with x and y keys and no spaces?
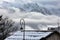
{"x":28,"y":35}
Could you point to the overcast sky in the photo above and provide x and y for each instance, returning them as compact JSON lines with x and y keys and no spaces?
{"x":27,"y":0}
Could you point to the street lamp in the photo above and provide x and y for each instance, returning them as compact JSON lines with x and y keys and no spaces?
{"x":22,"y":27}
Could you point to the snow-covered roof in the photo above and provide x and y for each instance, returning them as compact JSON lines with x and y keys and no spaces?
{"x":28,"y":35}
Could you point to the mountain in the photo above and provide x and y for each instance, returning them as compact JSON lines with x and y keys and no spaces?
{"x":34,"y":7}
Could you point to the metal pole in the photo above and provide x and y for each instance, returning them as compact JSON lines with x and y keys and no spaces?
{"x":22,"y":23}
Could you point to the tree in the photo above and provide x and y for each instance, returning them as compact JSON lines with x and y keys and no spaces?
{"x":6,"y":26}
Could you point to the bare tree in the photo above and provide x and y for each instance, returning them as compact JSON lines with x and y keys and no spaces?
{"x":6,"y":26}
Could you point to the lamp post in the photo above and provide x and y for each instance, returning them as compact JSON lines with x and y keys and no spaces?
{"x":22,"y":27}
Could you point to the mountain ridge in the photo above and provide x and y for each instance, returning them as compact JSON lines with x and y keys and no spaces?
{"x":32,"y":7}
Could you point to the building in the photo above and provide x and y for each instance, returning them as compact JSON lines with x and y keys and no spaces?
{"x":52,"y":36}
{"x":54,"y":29}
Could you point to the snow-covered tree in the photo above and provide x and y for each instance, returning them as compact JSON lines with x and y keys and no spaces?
{"x":6,"y":26}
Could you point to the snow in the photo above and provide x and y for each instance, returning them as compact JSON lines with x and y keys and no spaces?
{"x":28,"y":35}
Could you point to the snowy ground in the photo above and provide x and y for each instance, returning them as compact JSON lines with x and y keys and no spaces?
{"x":28,"y":35}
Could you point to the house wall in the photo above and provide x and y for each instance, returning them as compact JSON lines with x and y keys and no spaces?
{"x":54,"y":37}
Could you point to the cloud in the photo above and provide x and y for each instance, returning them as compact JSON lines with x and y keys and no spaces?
{"x":10,"y":0}
{"x":1,"y":1}
{"x":33,"y":20}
